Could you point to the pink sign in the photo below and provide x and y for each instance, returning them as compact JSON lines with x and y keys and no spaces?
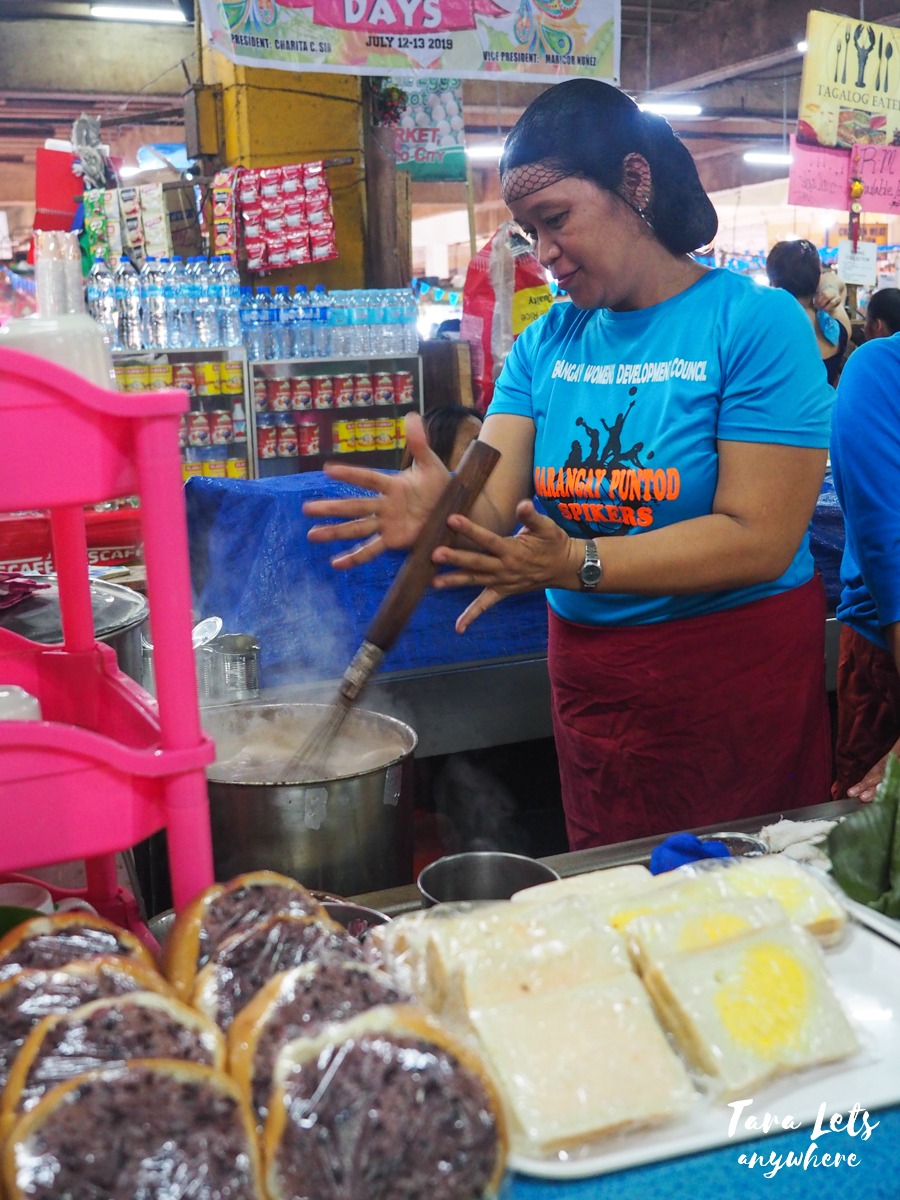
{"x":395,"y":16}
{"x":819,"y":177}
{"x":879,"y":170}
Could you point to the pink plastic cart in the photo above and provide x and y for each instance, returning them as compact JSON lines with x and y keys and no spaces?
{"x":107,"y":766}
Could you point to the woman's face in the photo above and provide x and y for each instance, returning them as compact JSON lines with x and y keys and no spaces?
{"x":590,"y":240}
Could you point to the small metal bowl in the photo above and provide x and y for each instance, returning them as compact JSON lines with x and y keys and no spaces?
{"x":480,"y":875}
{"x":740,"y":845}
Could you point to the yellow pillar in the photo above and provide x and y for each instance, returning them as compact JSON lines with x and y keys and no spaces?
{"x":272,"y":117}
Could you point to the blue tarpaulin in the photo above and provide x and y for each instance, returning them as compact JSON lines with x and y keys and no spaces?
{"x":252,"y":565}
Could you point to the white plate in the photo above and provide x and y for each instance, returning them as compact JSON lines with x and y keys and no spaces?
{"x":865,"y":970}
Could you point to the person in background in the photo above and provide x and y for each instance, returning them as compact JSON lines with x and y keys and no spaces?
{"x":795,"y":267}
{"x":883,"y":314}
{"x":449,"y":431}
{"x":865,"y":459}
{"x":679,"y":462}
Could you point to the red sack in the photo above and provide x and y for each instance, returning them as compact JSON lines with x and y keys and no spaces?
{"x":506,"y":289}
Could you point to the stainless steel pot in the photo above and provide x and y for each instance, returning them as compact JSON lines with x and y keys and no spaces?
{"x":119,"y":614}
{"x":347,"y":834}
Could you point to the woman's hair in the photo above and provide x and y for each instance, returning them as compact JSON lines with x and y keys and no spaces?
{"x":441,"y":428}
{"x":884,"y":305}
{"x":794,"y":266}
{"x":586,"y":128}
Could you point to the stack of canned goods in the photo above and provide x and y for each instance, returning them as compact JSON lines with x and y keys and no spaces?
{"x":213,"y":435}
{"x":304,"y":435}
{"x":305,"y":393}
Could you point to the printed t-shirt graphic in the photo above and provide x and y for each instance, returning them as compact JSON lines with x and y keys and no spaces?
{"x":629,"y":407}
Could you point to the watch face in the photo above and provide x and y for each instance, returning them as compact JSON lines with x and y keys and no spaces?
{"x":590,"y":574}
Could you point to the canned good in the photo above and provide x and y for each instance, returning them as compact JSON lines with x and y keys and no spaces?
{"x":182,"y":431}
{"x":344,"y":436}
{"x":198,"y":429}
{"x":231,"y":377}
{"x":322,"y":391}
{"x":308,"y":436}
{"x":301,"y":393}
{"x":120,"y":377}
{"x":183,"y":376}
{"x":221,"y":427}
{"x":383,"y":388}
{"x":278,"y":394}
{"x":343,"y":391}
{"x":385,"y":433}
{"x":236,"y":468}
{"x":403,"y":387}
{"x":160,"y":376}
{"x":266,"y":438}
{"x":213,"y":462}
{"x":190,"y":468}
{"x":260,"y":395}
{"x":286,"y":437}
{"x":136,"y":377}
{"x":206,"y":378}
{"x":365,"y":433}
{"x":362,"y":390}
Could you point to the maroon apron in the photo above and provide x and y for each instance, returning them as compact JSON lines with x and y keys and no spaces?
{"x":705,"y":720}
{"x":868,"y":698}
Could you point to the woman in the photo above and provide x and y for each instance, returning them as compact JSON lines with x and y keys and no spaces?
{"x":449,"y":430}
{"x":678,"y":464}
{"x":796,"y":268}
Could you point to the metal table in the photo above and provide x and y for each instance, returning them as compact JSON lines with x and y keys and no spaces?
{"x":395,"y":901}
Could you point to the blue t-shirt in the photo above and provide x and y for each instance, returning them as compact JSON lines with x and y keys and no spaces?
{"x":628,"y":408}
{"x":865,"y":458}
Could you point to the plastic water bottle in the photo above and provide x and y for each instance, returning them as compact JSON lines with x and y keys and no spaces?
{"x":206,"y":324}
{"x":357,"y":325}
{"x":101,"y":299}
{"x":189,"y":302}
{"x":264,"y":309}
{"x":173,"y":285}
{"x":321,"y":338}
{"x":128,"y":302}
{"x":153,"y":307}
{"x":281,"y":330}
{"x":410,"y":321}
{"x":337,"y":319}
{"x":254,"y":337}
{"x":303,"y":323}
{"x":230,"y":302}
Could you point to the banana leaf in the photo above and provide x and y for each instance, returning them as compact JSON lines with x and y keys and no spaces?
{"x":865,"y":848}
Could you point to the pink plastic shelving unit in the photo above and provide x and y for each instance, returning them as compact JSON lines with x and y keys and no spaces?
{"x":108,"y":765}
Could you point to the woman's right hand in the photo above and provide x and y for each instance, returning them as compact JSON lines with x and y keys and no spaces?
{"x":392,"y":517}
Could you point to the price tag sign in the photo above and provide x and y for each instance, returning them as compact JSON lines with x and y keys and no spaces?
{"x":860,"y":265}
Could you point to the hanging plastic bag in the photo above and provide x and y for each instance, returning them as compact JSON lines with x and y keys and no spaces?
{"x":506,"y":289}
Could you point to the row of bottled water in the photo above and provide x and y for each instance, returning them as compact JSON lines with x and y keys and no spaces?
{"x":168,"y":305}
{"x":320,"y":324}
{"x":173,"y":305}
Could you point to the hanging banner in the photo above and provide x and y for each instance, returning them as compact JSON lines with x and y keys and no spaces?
{"x":878,"y":167}
{"x":850,"y":88}
{"x":539,"y":40}
{"x":819,"y":177}
{"x":430,"y":132}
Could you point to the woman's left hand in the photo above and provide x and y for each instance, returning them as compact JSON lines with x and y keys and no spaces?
{"x":539,"y":555}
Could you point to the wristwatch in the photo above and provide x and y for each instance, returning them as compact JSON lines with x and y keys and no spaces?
{"x":591,"y":570}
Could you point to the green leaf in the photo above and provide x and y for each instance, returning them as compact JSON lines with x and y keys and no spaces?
{"x":860,"y":850}
{"x":10,"y":917}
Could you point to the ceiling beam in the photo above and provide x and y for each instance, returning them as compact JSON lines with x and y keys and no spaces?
{"x":728,"y":39}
